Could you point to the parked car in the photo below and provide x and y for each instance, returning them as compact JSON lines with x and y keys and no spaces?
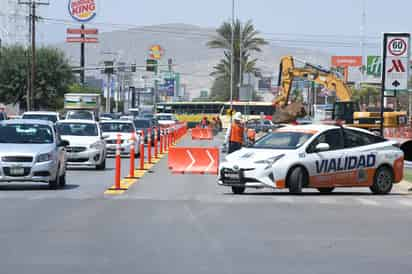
{"x":31,"y":150}
{"x":126,"y":129}
{"x":42,"y":115}
{"x":87,"y":145}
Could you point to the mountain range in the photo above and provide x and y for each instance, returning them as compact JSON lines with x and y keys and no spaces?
{"x":186,"y":45}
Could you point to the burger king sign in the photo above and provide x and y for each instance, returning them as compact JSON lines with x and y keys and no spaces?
{"x":82,"y":10}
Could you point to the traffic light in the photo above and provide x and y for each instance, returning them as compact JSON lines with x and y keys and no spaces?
{"x":108,"y":67}
{"x":133,"y":67}
{"x":151,"y":65}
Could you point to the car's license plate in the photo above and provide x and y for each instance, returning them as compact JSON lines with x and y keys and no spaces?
{"x":16,"y":171}
{"x":232,"y":175}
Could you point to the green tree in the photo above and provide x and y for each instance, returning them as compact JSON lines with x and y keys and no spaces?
{"x":369,"y":96}
{"x":53,"y":77}
{"x":246,"y":42}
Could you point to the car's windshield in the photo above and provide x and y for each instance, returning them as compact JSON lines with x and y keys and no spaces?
{"x":164,"y":117}
{"x":142,"y":123}
{"x":77,"y":129}
{"x":25,"y":134}
{"x":44,"y":117}
{"x":80,"y":115}
{"x":283,"y":140}
{"x":117,"y":127}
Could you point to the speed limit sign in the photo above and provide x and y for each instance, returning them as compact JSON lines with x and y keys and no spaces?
{"x":398,"y":47}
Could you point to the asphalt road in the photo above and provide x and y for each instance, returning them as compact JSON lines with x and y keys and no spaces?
{"x":187,"y":224}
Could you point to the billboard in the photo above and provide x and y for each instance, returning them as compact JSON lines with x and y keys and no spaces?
{"x":346,"y":61}
{"x":156,"y":52}
{"x":82,"y":10}
{"x":374,"y":65}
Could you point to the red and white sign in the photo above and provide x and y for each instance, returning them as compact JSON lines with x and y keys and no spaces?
{"x":346,"y":61}
{"x":196,"y":160}
{"x":82,"y":10}
{"x":83,"y":31}
{"x":396,"y":63}
{"x":90,"y":40}
{"x":398,"y":47}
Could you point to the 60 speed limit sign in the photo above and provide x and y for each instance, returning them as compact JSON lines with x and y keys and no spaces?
{"x":397,"y":47}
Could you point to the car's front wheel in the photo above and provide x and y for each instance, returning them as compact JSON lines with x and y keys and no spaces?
{"x":53,"y":184}
{"x":296,"y":180}
{"x":238,"y":189}
{"x":102,"y":165}
{"x":382,"y":181}
{"x":62,"y":180}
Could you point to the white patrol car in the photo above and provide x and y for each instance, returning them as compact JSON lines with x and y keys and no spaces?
{"x":315,"y":156}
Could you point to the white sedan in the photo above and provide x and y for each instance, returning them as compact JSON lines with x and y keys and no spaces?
{"x":315,"y":156}
{"x":87,"y":145}
{"x":126,"y":129}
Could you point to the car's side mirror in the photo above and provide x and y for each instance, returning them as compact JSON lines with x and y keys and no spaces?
{"x":322,"y":147}
{"x":105,"y":136}
{"x":64,"y":143}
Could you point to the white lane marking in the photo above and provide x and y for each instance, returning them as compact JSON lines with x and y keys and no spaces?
{"x":284,"y":199}
{"x":327,"y":200}
{"x":212,"y":161}
{"x":367,"y":202}
{"x":189,"y":167}
{"x":405,"y":202}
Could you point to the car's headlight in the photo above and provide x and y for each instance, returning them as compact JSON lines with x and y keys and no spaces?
{"x":44,"y":157}
{"x":270,"y":161}
{"x":96,"y":145}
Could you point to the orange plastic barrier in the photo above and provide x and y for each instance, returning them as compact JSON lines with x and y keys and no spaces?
{"x":202,"y":134}
{"x":194,"y":160}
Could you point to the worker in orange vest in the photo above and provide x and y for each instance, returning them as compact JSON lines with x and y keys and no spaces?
{"x":235,"y":134}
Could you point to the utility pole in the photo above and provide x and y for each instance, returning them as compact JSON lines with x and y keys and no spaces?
{"x":232,"y":57}
{"x":33,"y":4}
{"x":82,"y":57}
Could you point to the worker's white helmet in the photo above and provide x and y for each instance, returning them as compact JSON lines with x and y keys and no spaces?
{"x":238,"y":116}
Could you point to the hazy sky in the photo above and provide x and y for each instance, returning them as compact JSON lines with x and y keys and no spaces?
{"x":328,"y":21}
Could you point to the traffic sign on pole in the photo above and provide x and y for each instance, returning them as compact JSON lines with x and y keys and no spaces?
{"x":396,"y":51}
{"x":395,"y":69}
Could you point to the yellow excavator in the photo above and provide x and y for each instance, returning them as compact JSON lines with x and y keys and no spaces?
{"x":343,"y":110}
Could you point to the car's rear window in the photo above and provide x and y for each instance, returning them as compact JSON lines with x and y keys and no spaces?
{"x":283,"y":140}
{"x":117,"y":127}
{"x":43,"y":117}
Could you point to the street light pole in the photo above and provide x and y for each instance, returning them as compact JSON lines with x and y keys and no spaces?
{"x":232,"y":56}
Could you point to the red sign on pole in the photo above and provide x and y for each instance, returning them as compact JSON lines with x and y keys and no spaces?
{"x":81,"y":40}
{"x":346,"y":61}
{"x":83,"y":31}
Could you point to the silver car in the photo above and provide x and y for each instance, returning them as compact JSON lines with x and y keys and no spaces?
{"x":30,"y":150}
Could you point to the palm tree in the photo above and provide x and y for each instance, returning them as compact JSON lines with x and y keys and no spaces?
{"x":246,"y":42}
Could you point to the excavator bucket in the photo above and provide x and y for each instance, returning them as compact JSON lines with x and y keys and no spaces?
{"x":289,"y":113}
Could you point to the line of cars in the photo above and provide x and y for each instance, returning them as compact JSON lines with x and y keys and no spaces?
{"x":40,"y":147}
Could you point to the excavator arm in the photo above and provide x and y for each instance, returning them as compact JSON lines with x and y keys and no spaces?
{"x":288,"y":72}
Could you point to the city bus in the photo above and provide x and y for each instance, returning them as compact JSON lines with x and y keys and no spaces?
{"x":193,"y":112}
